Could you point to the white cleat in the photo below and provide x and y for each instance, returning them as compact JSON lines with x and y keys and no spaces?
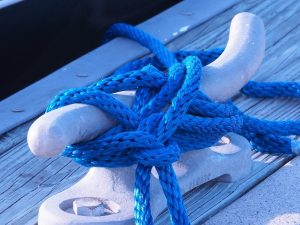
{"x":105,"y":195}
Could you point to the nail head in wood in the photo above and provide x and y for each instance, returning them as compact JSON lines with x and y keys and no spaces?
{"x":17,"y":110}
{"x":82,"y":75}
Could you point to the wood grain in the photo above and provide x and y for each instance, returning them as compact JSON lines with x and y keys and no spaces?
{"x":27,"y":180}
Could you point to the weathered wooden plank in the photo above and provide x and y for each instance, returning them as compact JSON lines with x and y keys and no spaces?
{"x":206,"y":200}
{"x":10,"y":139}
{"x":274,"y":201}
{"x":28,"y":180}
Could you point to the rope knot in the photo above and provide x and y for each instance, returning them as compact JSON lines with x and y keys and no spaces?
{"x":160,"y":156}
{"x":169,"y":116}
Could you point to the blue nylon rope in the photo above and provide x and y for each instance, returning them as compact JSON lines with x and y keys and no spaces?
{"x":150,"y":135}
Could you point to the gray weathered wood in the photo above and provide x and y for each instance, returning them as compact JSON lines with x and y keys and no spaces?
{"x":206,"y":200}
{"x":27,"y":180}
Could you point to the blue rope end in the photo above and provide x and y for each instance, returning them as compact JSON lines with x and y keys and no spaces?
{"x":295,"y":146}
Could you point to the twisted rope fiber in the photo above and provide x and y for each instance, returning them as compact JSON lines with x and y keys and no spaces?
{"x":169,"y":116}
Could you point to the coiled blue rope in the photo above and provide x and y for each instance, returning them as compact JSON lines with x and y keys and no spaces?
{"x":150,"y":135}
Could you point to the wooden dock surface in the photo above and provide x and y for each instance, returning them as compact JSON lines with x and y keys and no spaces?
{"x":26,"y":180}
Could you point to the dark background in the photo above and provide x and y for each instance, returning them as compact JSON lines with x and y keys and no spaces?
{"x":39,"y":36}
